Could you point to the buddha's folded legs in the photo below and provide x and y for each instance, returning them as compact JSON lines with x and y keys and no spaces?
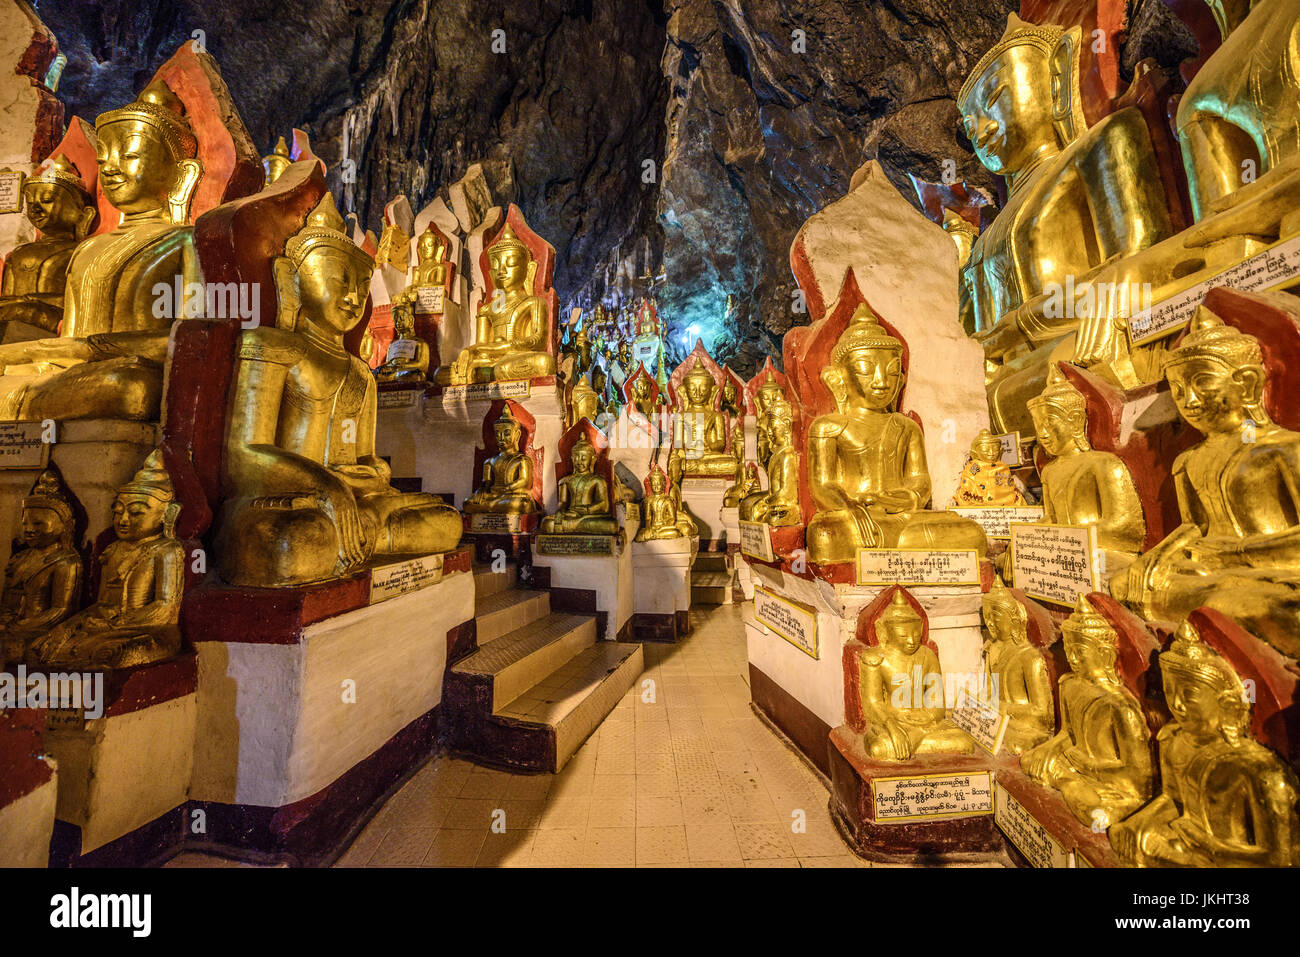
{"x":411,"y":524}
{"x":269,"y":546}
{"x":1262,"y":601}
{"x":525,"y":365}
{"x":127,"y":387}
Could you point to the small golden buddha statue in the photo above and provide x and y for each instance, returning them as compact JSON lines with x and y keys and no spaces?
{"x":642,"y":397}
{"x":582,"y":352}
{"x":507,"y":486}
{"x":134,"y":620}
{"x":513,"y":323}
{"x":745,"y":486}
{"x":431,"y":267}
{"x":866,"y":464}
{"x":1100,"y":760}
{"x":1238,"y":547}
{"x":730,"y":405}
{"x":42,"y":583}
{"x":36,"y":273}
{"x":600,"y":386}
{"x":985,"y":479}
{"x":1017,"y":669}
{"x":1225,"y":799}
{"x":1083,"y":486}
{"x":583,"y":498}
{"x":702,"y":430}
{"x":768,"y":397}
{"x":779,"y":505}
{"x":408,"y":356}
{"x":660,"y":515}
{"x":584,"y":402}
{"x":277,"y":161}
{"x":904,"y":718}
{"x":306,"y":497}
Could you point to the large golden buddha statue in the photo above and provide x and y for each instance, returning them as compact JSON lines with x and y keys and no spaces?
{"x":1017,"y":669}
{"x":1225,"y":799}
{"x":306,"y":497}
{"x":1100,"y":760}
{"x":1238,"y":547}
{"x":866,"y":463}
{"x":507,"y":486}
{"x":513,"y":323}
{"x":584,"y":506}
{"x":701,"y":428}
{"x":107,"y":360}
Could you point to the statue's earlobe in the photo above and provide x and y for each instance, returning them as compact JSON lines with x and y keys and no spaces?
{"x":85,"y":222}
{"x":1067,"y":99}
{"x":178,"y":203}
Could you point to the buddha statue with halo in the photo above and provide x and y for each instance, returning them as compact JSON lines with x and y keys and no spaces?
{"x":986,"y":480}
{"x":408,"y":356}
{"x":507,"y":486}
{"x":660,"y":516}
{"x":584,"y":506}
{"x":107,"y":360}
{"x":702,"y":429}
{"x":1100,"y":760}
{"x":306,"y":497}
{"x":1017,"y":669}
{"x":513,"y":324}
{"x":866,"y":463}
{"x":1225,"y":799}
{"x":135,"y":617}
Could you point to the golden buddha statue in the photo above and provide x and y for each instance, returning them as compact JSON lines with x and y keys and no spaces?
{"x":1225,"y":799}
{"x":1017,"y":669}
{"x":134,"y":620}
{"x":730,"y":404}
{"x":507,"y":486}
{"x":1082,"y":486}
{"x":306,"y":497}
{"x":430,"y":268}
{"x":582,"y":352}
{"x":277,"y":161}
{"x":1238,"y":547}
{"x":745,"y":485}
{"x":985,"y":479}
{"x":107,"y":360}
{"x":408,"y":356}
{"x":866,"y":464}
{"x":1100,"y":760}
{"x":394,"y":248}
{"x":600,"y":386}
{"x":701,"y":429}
{"x":779,"y":505}
{"x":36,"y":273}
{"x":42,"y":583}
{"x":584,"y":402}
{"x":584,"y":506}
{"x":513,"y":323}
{"x":768,"y":397}
{"x":642,"y":398}
{"x":903,"y":719}
{"x":660,"y":515}
{"x":1078,"y":198}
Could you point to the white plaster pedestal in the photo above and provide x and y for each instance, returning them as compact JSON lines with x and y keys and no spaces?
{"x":27,"y":822}
{"x":703,"y":498}
{"x":661,"y":572}
{"x":599,"y":585}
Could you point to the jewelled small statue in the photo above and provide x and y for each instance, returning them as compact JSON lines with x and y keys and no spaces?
{"x":277,"y":161}
{"x":779,"y":505}
{"x":507,"y":486}
{"x":1225,"y":799}
{"x":661,"y":518}
{"x":36,"y":273}
{"x":1100,"y":760}
{"x":42,"y":583}
{"x":1017,"y":669}
{"x":702,"y":429}
{"x":134,"y":620}
{"x":584,"y":506}
{"x":306,"y":497}
{"x":985,"y":479}
{"x":866,"y":464}
{"x":901,"y":689}
{"x":431,"y":267}
{"x":408,"y":357}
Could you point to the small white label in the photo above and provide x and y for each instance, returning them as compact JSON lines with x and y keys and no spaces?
{"x":11,"y":191}
{"x":402,"y":349}
{"x":1054,"y":563}
{"x":795,"y":623}
{"x":496,"y":522}
{"x":488,"y":391}
{"x":996,"y":519}
{"x":398,"y":398}
{"x":21,"y":446}
{"x":1027,"y":833}
{"x":933,"y":797}
{"x":917,"y":566}
{"x":429,"y":300}
{"x":389,"y":581}
{"x":985,"y":725}
{"x":756,"y":541}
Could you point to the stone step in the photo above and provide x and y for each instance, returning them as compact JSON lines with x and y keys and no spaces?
{"x":517,"y":661}
{"x":710,"y":562}
{"x":504,"y":612}
{"x":488,"y":582}
{"x":711,"y":588}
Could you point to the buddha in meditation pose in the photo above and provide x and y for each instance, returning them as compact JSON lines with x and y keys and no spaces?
{"x":866,"y":464}
{"x":702,"y":429}
{"x":507,"y":486}
{"x":642,"y":397}
{"x":1238,"y":547}
{"x":1225,"y":799}
{"x":513,"y":324}
{"x":430,"y":268}
{"x":779,"y":505}
{"x":408,"y":357}
{"x":985,"y":479}
{"x":661,"y":518}
{"x":134,"y":620}
{"x":1024,"y":687}
{"x":746,"y":485}
{"x":107,"y":360}
{"x":903,"y":718}
{"x":36,"y":273}
{"x":1100,"y":760}
{"x":584,"y":506}
{"x":42,"y":583}
{"x":306,"y":497}
{"x":769,"y":397}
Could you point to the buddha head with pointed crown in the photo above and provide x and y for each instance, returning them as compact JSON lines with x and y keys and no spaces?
{"x":867,"y":361}
{"x":146,"y":505}
{"x":324,"y":277}
{"x":47,"y":514}
{"x":900,"y":626}
{"x":508,"y":431}
{"x":1091,"y":644}
{"x":277,"y":161}
{"x":55,"y":201}
{"x":1216,"y":376}
{"x":1004,"y":617}
{"x":583,"y":456}
{"x":510,"y":264}
{"x":1205,"y":694}
{"x":428,"y":247}
{"x":698,"y":386}
{"x":147,"y":156}
{"x":1060,"y":415}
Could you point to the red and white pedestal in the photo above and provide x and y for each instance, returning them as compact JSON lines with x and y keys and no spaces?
{"x":28,"y":790}
{"x":600,"y":585}
{"x":661,"y":573}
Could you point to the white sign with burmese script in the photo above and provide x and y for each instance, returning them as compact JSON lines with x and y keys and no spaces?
{"x":11,"y":191}
{"x":1054,"y":562}
{"x":398,"y":398}
{"x":489,"y":391}
{"x":795,"y":623}
{"x":429,"y":299}
{"x":1026,"y":833}
{"x":996,"y":519}
{"x":390,"y":581}
{"x":22,"y":446}
{"x":917,"y":566}
{"x":756,"y":540}
{"x":496,"y":522}
{"x":1010,"y":442}
{"x":933,"y":797}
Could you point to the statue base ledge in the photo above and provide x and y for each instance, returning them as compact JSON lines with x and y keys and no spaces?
{"x":662,"y":588}
{"x":600,"y":585}
{"x":1050,"y":823}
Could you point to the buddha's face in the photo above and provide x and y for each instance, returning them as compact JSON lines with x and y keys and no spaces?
{"x":641,"y":388}
{"x":598,"y":382}
{"x":137,"y":517}
{"x":729,"y":393}
{"x":136,"y":168}
{"x":42,"y":527}
{"x":658,"y":483}
{"x":876,"y":374}
{"x":51,"y":208}
{"x":509,"y":267}
{"x":779,"y":434}
{"x":902,"y":634}
{"x":1088,"y":657}
{"x":1008,"y":113}
{"x":698,"y":389}
{"x":987,"y":449}
{"x":1057,"y":429}
{"x":427,"y":248}
{"x":507,"y":434}
{"x":1002,"y":621}
{"x":333,"y":286}
{"x":1194,"y":702}
{"x":1210,"y":395}
{"x":584,"y":460}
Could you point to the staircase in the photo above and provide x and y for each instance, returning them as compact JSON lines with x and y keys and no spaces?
{"x":712,"y":579}
{"x":539,"y":682}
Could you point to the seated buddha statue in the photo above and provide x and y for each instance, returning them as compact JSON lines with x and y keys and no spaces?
{"x":430,"y":267}
{"x":866,"y":464}
{"x":1100,"y":760}
{"x":888,"y":674}
{"x":779,"y":505}
{"x":306,"y":498}
{"x":584,"y":506}
{"x":408,"y":357}
{"x":507,"y":486}
{"x":1238,"y":547}
{"x":702,"y":429}
{"x":36,"y":273}
{"x":135,"y":617}
{"x":42,"y":583}
{"x":660,"y":516}
{"x":985,"y":480}
{"x":1225,"y":799}
{"x":1078,"y":197}
{"x":642,"y":397}
{"x":730,"y":404}
{"x":513,"y":325}
{"x":1081,"y":485}
{"x":745,"y":486}
{"x":768,"y":397}
{"x":107,"y":360}
{"x":1017,"y":669}
{"x":584,"y":402}
{"x":600,"y":386}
